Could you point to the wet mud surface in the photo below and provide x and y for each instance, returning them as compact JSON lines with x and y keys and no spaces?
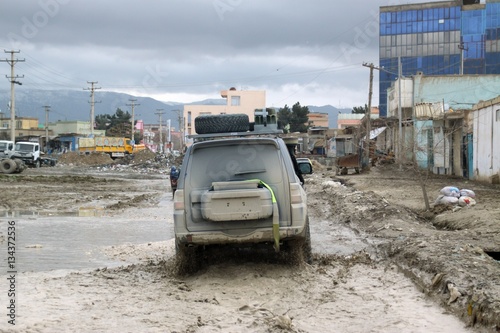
{"x":381,"y":264}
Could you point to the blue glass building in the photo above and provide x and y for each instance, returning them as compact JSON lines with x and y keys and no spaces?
{"x":438,"y":38}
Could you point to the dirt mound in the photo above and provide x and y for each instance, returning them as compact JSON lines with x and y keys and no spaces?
{"x":144,"y":156}
{"x":317,"y":166}
{"x":74,"y":158}
{"x":96,"y":158}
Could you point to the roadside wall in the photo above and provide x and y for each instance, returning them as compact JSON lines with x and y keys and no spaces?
{"x":486,"y":159}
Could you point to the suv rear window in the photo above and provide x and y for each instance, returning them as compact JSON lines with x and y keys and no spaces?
{"x":245,"y":160}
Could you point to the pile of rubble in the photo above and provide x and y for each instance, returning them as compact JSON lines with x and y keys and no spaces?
{"x":76,"y":159}
{"x":143,"y":156}
{"x":144,"y":161}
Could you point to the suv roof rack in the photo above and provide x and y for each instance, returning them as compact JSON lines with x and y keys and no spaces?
{"x":208,"y":136}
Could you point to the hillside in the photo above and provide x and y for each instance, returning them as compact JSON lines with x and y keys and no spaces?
{"x":75,"y":105}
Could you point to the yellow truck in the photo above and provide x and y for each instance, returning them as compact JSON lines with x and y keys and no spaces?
{"x":115,"y":147}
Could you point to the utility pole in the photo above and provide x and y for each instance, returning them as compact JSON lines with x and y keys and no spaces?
{"x":160,"y":112}
{"x":368,"y":113}
{"x":133,"y":127}
{"x":92,"y":103}
{"x":462,"y":48}
{"x":400,"y":115}
{"x":181,"y":127}
{"x":12,"y":78}
{"x":47,"y":109}
{"x":169,"y":137}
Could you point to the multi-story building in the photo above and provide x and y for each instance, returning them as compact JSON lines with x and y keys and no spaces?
{"x":24,"y":126}
{"x":345,"y":120}
{"x":317,"y":119}
{"x":438,"y":38}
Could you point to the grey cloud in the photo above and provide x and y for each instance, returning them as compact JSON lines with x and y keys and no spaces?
{"x":195,"y":46}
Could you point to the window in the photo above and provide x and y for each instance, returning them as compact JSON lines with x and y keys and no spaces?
{"x":235,"y":100}
{"x":498,"y":115}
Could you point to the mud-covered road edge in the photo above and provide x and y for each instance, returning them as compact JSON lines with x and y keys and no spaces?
{"x":421,"y":251}
{"x":438,"y":279}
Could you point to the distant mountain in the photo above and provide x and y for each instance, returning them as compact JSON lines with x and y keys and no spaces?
{"x":75,"y":105}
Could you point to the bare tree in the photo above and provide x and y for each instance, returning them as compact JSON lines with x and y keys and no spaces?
{"x":427,"y":144}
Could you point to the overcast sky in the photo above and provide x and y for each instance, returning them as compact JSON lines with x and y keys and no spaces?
{"x":188,"y":50}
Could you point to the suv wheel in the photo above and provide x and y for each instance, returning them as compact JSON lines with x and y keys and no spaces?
{"x":299,"y":250}
{"x":221,"y":123}
{"x":188,"y":259}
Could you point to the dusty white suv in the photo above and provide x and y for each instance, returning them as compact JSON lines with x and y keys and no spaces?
{"x":239,"y":188}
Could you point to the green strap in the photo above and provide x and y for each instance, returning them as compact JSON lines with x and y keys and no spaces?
{"x":270,"y":190}
{"x":276,"y":216}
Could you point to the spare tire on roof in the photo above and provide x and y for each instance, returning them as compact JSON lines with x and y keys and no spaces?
{"x":221,"y":123}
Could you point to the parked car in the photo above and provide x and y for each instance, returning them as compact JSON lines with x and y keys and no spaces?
{"x":239,"y":188}
{"x":305,"y":165}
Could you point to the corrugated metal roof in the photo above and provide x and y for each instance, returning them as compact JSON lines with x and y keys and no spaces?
{"x":429,"y":110}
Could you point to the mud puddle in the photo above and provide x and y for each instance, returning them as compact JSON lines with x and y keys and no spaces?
{"x":45,"y":243}
{"x":332,"y":237}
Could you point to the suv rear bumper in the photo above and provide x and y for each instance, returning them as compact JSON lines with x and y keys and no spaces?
{"x":253,"y":237}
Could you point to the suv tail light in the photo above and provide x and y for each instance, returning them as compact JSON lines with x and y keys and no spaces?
{"x":179,"y":200}
{"x":296,"y":193}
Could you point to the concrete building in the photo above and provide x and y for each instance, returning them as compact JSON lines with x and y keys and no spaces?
{"x":486,"y":142}
{"x":25,"y":126}
{"x":438,"y":38}
{"x":346,"y":120}
{"x":65,"y":134}
{"x":317,"y":119}
{"x":436,"y":120}
{"x":77,"y":127}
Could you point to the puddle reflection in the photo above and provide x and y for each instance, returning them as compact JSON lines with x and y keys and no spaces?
{"x":75,"y":240}
{"x":81,"y":212}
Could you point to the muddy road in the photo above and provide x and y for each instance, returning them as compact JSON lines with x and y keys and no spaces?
{"x":94,"y":253}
